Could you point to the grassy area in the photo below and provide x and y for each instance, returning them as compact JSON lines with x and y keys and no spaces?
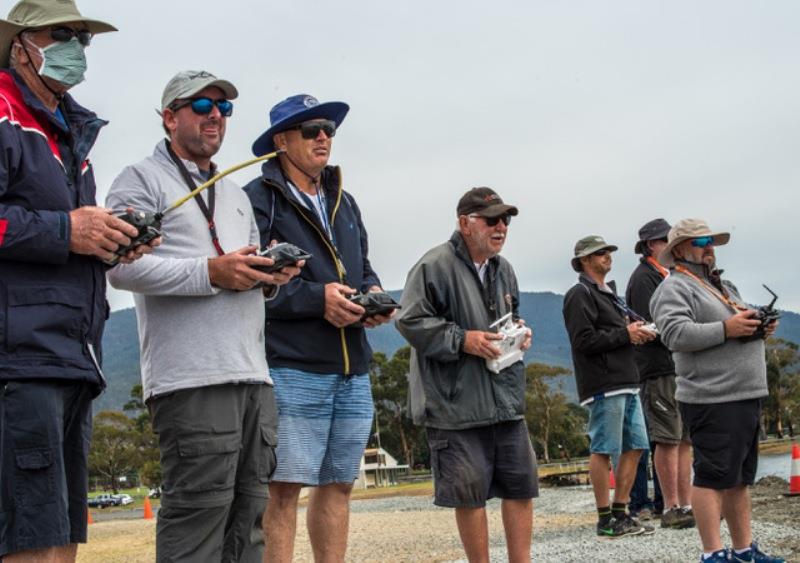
{"x":424,"y":488}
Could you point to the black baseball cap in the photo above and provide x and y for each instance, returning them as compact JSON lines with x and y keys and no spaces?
{"x":484,"y":202}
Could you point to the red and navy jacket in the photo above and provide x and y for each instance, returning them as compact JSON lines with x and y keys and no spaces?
{"x":52,"y":302}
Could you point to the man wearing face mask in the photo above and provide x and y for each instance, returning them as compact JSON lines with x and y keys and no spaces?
{"x":721,"y":381}
{"x":52,"y":279}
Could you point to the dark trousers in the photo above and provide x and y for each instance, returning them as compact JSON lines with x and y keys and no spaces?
{"x":217,"y":454}
{"x":639,"y":492}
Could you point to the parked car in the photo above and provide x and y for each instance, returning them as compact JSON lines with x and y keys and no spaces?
{"x":123,"y":499}
{"x":103,"y":501}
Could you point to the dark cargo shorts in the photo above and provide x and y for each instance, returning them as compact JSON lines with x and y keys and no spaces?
{"x":473,"y":465}
{"x":45,"y":430}
{"x":664,"y":423}
{"x":724,"y":442}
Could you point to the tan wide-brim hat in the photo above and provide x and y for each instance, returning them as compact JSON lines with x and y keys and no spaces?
{"x":32,"y":14}
{"x":687,"y":229}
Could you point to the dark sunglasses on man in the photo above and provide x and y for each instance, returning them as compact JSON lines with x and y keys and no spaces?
{"x":311,"y":129}
{"x":203,"y":106}
{"x":493,"y":221}
{"x":62,"y":34}
{"x":601,"y":252}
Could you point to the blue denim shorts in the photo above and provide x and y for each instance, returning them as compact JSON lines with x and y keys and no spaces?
{"x":616,"y":425}
{"x":324,"y":424}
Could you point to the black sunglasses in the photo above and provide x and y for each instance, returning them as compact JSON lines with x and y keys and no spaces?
{"x":203,"y":106}
{"x":493,"y":221}
{"x":64,"y":34}
{"x":601,"y":252}
{"x":311,"y":129}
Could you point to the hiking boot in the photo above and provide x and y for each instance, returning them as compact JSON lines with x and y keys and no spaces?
{"x":755,"y":555}
{"x":677,"y":519}
{"x":717,"y":556}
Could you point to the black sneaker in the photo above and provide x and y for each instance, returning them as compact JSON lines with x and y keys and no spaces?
{"x":646,"y":529}
{"x":616,"y":528}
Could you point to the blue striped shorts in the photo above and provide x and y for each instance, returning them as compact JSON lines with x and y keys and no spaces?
{"x":325,"y":422}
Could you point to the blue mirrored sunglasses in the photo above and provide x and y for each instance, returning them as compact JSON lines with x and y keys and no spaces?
{"x":702,"y":242}
{"x":203,"y":106}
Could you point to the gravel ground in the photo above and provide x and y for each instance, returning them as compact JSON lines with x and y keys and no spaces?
{"x":412,"y":529}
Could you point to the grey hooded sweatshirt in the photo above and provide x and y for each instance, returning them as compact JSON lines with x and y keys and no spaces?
{"x":710,"y":368}
{"x":442,"y":299}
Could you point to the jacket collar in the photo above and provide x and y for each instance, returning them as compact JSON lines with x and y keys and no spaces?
{"x":463,"y":253}
{"x":272,"y":173}
{"x":162,"y":155}
{"x":583,"y":278}
{"x":76,"y":115}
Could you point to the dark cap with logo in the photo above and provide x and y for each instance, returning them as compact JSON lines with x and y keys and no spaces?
{"x":652,"y":230}
{"x":484,"y":202}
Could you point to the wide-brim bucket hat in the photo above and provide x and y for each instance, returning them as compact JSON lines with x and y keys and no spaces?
{"x":652,"y":230}
{"x":31,"y":14}
{"x":687,"y":229}
{"x":589,"y":245}
{"x":294,"y":110}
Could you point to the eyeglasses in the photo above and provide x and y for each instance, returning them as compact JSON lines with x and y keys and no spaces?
{"x":702,"y":242}
{"x":311,"y":129}
{"x":492,"y":221}
{"x":601,"y":252}
{"x":203,"y":106}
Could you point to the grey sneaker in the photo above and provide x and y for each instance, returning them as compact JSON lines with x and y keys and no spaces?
{"x":677,"y":519}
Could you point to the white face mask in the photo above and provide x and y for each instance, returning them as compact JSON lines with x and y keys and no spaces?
{"x":62,"y":61}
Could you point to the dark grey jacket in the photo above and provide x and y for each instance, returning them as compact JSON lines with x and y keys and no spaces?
{"x":442,"y":299}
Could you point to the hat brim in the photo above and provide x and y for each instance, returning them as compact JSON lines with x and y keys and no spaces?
{"x":9,"y":30}
{"x":576,"y":262}
{"x":498,"y":210}
{"x":335,"y":111}
{"x":665,"y":257}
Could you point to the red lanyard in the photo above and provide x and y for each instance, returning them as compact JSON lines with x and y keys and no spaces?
{"x":719,"y":295}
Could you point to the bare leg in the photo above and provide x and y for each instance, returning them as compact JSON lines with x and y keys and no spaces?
{"x":666,"y":462}
{"x":707,"y":507}
{"x":60,"y":554}
{"x":328,"y":521}
{"x":280,"y":522}
{"x":518,"y":525}
{"x":736,"y":508}
{"x":474,"y":531}
{"x":684,"y":473}
{"x":599,"y":466}
{"x":625,"y":475}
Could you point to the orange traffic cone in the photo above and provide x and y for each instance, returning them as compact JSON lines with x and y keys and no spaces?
{"x":89,"y":519}
{"x":148,"y":510}
{"x":794,"y":480}
{"x":612,"y":483}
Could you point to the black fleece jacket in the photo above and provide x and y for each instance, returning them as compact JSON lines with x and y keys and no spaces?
{"x":602,"y":352}
{"x":653,"y":358}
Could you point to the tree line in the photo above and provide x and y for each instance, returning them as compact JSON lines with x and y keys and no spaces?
{"x":123,"y":443}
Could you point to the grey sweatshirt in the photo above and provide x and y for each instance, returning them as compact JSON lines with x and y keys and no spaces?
{"x":710,"y":369}
{"x":191,"y":334}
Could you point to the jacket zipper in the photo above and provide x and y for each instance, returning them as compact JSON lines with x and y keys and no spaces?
{"x":336,"y":261}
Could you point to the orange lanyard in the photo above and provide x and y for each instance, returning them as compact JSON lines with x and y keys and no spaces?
{"x":719,"y":295}
{"x":659,"y":268}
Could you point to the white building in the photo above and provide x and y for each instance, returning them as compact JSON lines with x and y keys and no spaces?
{"x":378,"y":469}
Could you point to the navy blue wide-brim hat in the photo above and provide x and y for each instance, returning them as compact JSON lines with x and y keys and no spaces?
{"x":294,"y":110}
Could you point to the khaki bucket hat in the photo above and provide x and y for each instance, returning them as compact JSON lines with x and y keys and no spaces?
{"x":30,"y":14}
{"x":686,"y":229}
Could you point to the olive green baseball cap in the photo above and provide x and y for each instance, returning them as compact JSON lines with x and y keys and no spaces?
{"x":588,"y":245}
{"x":32,"y":14}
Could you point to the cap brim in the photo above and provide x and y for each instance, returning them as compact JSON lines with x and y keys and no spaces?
{"x":498,"y":210}
{"x":335,"y":111}
{"x":9,"y":30}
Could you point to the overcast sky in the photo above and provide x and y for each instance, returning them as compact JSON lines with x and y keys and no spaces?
{"x":591,"y":117}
